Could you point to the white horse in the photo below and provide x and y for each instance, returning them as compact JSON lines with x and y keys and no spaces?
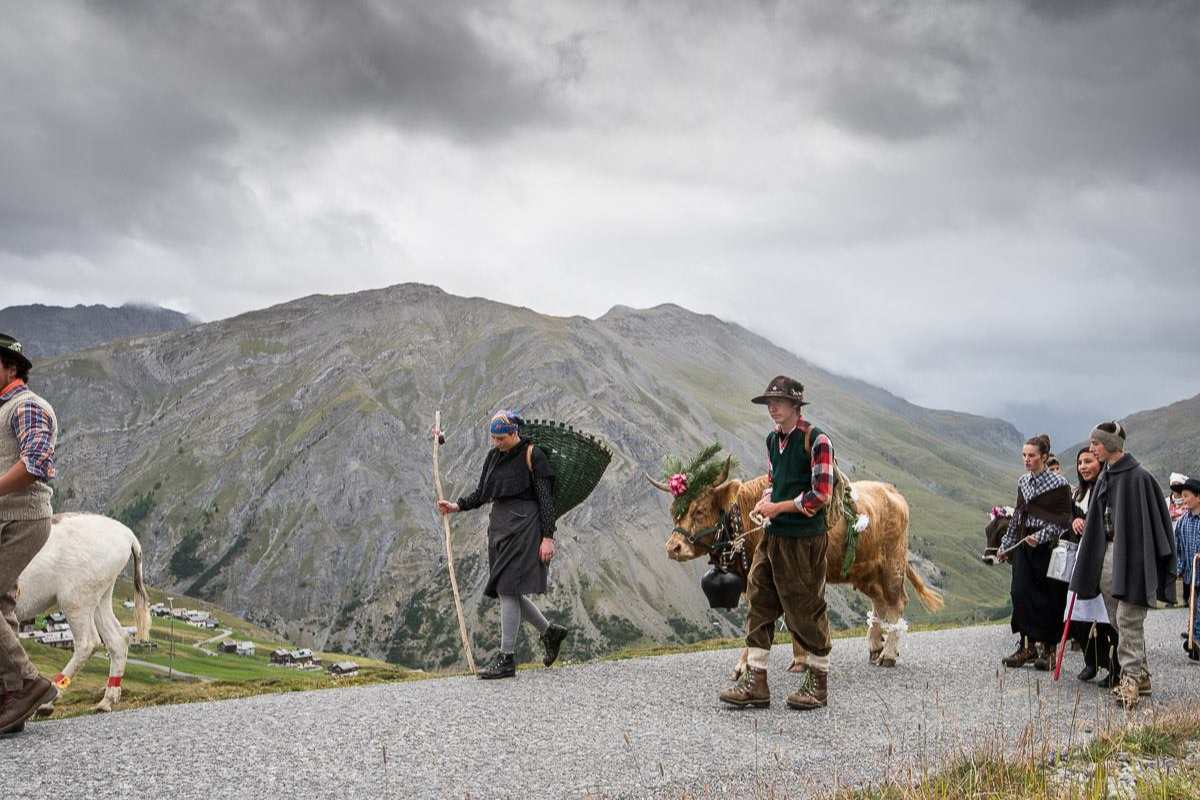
{"x":77,"y":569}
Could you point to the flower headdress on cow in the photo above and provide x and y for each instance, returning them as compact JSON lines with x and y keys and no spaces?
{"x":687,"y":482}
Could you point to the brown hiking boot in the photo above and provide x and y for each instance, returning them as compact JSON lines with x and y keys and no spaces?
{"x":1043,"y":660}
{"x":813,"y":692}
{"x":750,"y":691}
{"x":1127,"y":692}
{"x":1023,"y":655}
{"x":21,"y":704}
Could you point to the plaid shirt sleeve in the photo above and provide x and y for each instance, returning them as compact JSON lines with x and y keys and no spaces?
{"x":35,"y":436}
{"x":822,"y":476}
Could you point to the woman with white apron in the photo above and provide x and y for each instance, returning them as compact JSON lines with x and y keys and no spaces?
{"x":1090,"y":627}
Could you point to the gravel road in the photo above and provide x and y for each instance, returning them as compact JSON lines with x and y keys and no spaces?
{"x":640,"y":728}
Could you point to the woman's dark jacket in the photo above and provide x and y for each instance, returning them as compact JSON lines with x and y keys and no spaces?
{"x":522,"y":515}
{"x":1128,"y":502}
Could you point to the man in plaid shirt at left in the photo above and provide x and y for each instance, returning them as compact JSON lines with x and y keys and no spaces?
{"x":1187,"y":547}
{"x":787,"y":577}
{"x":28,"y":431}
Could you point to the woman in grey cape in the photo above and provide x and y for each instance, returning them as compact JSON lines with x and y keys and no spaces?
{"x":517,"y":480}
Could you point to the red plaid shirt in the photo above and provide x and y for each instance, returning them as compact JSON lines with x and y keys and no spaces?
{"x":822,"y":467}
{"x":35,"y":434}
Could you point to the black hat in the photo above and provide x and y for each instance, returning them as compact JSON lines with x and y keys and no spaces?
{"x":1191,"y":485}
{"x":783,"y":388}
{"x":11,"y":346}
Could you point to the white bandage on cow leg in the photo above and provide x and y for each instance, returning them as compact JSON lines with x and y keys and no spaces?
{"x":891,"y":637}
{"x":757,"y":658}
{"x":820,"y":663}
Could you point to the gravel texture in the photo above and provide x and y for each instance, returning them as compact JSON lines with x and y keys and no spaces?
{"x":644,"y":727}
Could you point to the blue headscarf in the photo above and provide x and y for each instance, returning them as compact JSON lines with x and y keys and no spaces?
{"x":500,"y":427}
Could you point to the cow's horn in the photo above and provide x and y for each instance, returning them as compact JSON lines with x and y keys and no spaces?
{"x":660,"y":485}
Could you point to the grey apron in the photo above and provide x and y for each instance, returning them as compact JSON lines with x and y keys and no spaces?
{"x":514,"y":536}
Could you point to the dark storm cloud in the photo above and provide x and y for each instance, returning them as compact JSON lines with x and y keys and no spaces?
{"x":121,"y":120}
{"x":893,"y":72}
{"x":994,"y":201}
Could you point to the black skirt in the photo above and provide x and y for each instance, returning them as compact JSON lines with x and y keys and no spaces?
{"x":1038,"y":601}
{"x":514,"y":538}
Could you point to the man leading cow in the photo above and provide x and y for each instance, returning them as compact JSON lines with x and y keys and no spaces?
{"x":787,"y":576}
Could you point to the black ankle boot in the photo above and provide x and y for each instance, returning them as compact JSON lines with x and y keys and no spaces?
{"x":552,"y":640}
{"x":502,"y":665}
{"x":1088,"y":672}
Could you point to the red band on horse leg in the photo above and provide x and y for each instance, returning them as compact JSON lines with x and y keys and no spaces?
{"x":114,"y":682}
{"x":61,"y":681}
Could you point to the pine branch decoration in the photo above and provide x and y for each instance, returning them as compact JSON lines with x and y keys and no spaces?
{"x":701,"y":474}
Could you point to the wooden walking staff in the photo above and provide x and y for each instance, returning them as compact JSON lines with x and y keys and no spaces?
{"x":438,"y":440}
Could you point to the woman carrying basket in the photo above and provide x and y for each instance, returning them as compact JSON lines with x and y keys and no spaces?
{"x":517,"y":480}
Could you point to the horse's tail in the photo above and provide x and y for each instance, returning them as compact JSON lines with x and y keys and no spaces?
{"x":930,"y":598}
{"x":141,"y":600}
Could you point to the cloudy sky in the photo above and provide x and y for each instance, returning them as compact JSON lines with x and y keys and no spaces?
{"x":982,"y":206}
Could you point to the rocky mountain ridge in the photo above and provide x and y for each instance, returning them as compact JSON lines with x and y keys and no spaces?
{"x":46,"y":331}
{"x":278,"y":462}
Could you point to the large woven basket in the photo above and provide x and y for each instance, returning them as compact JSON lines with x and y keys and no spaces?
{"x":579,"y":460}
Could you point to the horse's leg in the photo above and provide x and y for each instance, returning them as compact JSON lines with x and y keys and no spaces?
{"x":113,"y":636}
{"x":87,"y":639}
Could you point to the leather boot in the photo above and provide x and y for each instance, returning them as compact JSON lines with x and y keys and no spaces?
{"x":1043,"y":660}
{"x":1087,"y":673}
{"x":502,"y":665}
{"x":1022,"y":656}
{"x":1110,"y":680}
{"x":813,"y":693}
{"x":552,"y":640}
{"x":1127,"y":692}
{"x":750,"y":691}
{"x":21,"y":704}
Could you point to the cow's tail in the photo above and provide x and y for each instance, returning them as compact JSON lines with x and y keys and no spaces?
{"x":930,"y":598}
{"x":141,"y":600}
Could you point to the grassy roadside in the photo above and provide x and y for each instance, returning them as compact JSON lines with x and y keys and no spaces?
{"x":178,"y":671}
{"x":1157,"y":759}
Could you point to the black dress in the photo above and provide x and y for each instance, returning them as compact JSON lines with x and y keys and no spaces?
{"x":1097,"y":640}
{"x":1038,"y":601}
{"x":520,"y":489}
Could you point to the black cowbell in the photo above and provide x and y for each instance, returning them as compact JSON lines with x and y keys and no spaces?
{"x":723,"y":589}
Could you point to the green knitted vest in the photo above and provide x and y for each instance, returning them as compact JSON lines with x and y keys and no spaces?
{"x":32,"y":502}
{"x":791,"y":476}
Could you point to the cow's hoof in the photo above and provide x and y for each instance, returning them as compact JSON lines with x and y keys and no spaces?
{"x":103,"y":707}
{"x":884,"y":661}
{"x":874,"y":655}
{"x":44,"y":711}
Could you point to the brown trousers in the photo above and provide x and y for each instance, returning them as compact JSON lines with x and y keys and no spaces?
{"x":787,"y":579}
{"x":20,"y":541}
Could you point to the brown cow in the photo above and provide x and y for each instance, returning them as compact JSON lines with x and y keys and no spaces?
{"x":880,"y":562}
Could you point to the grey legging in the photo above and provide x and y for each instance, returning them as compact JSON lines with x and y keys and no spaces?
{"x":514,"y":608}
